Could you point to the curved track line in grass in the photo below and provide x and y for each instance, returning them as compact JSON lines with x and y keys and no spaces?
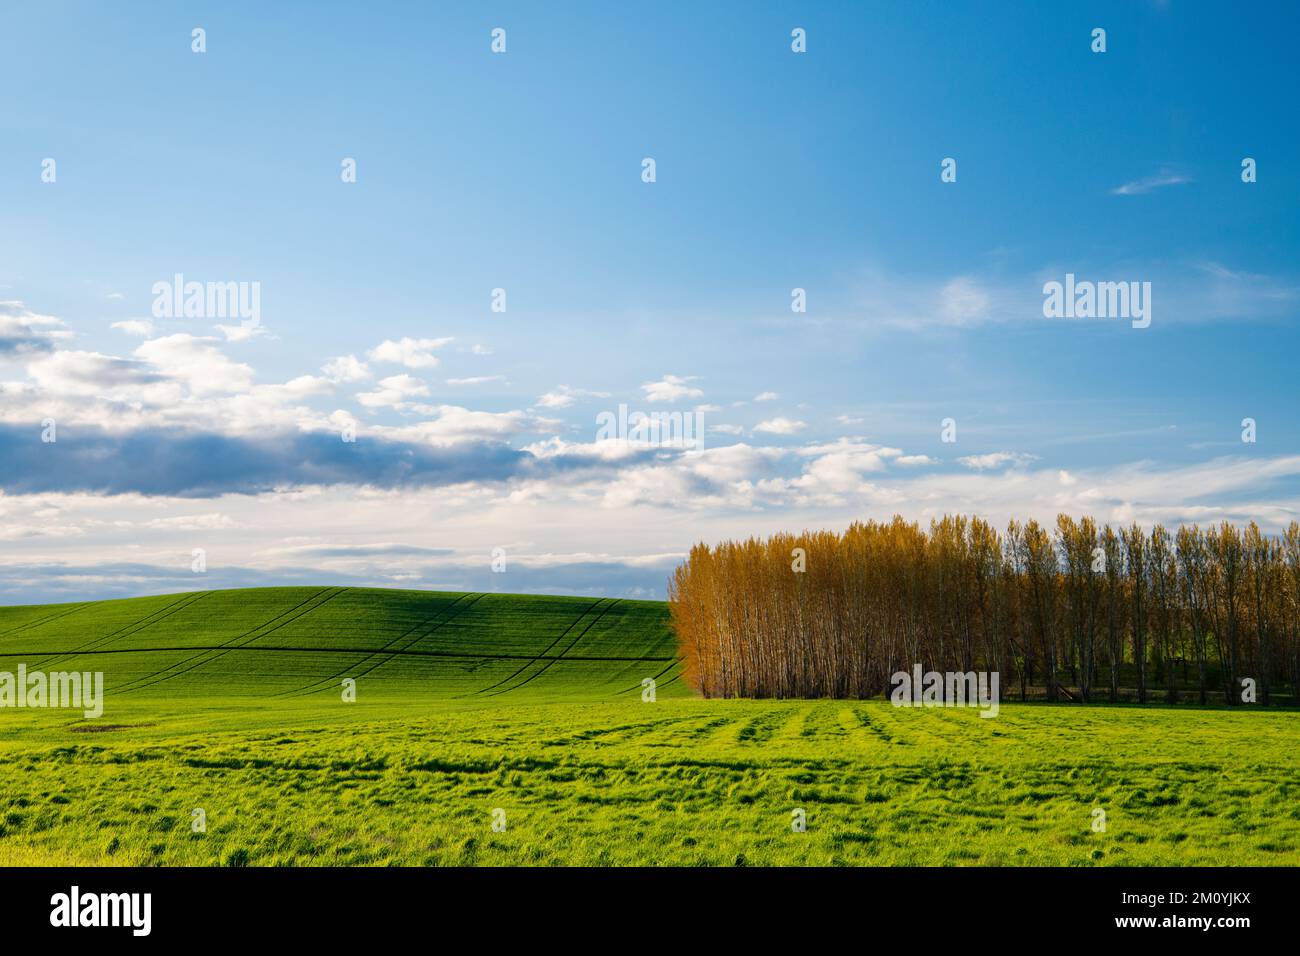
{"x":260,"y":631}
{"x":672,"y":662}
{"x":449,"y":613}
{"x":140,"y":625}
{"x":255,"y":634}
{"x":307,"y":689}
{"x":674,"y":679}
{"x":253,"y":631}
{"x":667,"y":639}
{"x":45,"y":620}
{"x":550,"y":662}
{"x":634,"y":729}
{"x":706,"y":726}
{"x":570,"y":626}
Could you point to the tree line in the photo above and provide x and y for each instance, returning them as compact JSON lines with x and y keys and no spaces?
{"x":1079,"y":611}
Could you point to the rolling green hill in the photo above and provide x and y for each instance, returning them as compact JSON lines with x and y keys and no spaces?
{"x":303,"y":641}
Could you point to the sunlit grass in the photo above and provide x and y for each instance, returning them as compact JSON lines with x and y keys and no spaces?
{"x":589,"y":773}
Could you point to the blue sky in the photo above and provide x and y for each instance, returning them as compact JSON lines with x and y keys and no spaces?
{"x":522,"y":171}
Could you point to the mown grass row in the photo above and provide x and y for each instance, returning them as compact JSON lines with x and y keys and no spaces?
{"x":676,"y":782}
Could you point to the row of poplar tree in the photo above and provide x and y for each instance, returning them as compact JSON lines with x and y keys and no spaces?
{"x":1079,"y":611}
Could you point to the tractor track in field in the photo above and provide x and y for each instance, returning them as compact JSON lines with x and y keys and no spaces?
{"x":550,"y":661}
{"x":45,"y":620}
{"x":706,"y":726}
{"x":761,"y":728}
{"x":533,"y":657}
{"x":672,"y":662}
{"x":666,"y":639}
{"x":221,"y":650}
{"x":449,"y":613}
{"x":126,"y":630}
{"x":629,"y":732}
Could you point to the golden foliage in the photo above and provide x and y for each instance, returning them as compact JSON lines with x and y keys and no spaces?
{"x":821,"y":614}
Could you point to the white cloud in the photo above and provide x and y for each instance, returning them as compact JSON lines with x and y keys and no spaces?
{"x":298,"y":388}
{"x":413,"y":353}
{"x":452,"y":424}
{"x":197,"y":362}
{"x":766,"y":397}
{"x":23,"y":332}
{"x":91,"y":374}
{"x":393,"y":392}
{"x":213,"y":521}
{"x":671,"y":388}
{"x":562,"y":396}
{"x":346,"y":368}
{"x":476,"y":380}
{"x":780,"y":426}
{"x":603,"y":450}
{"x":142,"y":328}
{"x":241,"y":333}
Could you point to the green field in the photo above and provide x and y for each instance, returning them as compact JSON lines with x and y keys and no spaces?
{"x":231,"y":701}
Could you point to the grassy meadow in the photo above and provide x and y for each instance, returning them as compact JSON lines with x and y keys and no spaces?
{"x":466,"y":704}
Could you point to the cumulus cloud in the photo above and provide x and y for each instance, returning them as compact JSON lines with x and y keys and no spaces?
{"x":413,"y":353}
{"x":562,"y":396}
{"x":573,"y":455}
{"x":346,"y":368}
{"x":241,"y":333}
{"x":780,"y":426}
{"x":453,"y":424}
{"x":197,"y":362}
{"x":671,"y":388}
{"x":23,"y":332}
{"x":141,"y":328}
{"x":92,"y":373}
{"x":394,"y":392}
